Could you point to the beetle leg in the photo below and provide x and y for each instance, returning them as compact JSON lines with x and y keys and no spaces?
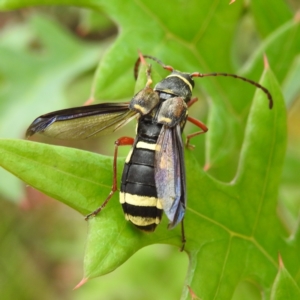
{"x":183,"y":239}
{"x":192,"y":101}
{"x":123,"y":141}
{"x":198,"y":124}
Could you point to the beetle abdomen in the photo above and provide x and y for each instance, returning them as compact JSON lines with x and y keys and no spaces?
{"x":138,"y":194}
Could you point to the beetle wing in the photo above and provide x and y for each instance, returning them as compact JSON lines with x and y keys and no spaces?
{"x":170,"y":174}
{"x":82,"y":122}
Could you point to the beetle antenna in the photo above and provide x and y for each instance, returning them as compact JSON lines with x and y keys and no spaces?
{"x":266,"y":91}
{"x":166,"y":67}
{"x":197,"y":74}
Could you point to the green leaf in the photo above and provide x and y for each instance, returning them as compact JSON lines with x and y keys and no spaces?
{"x":36,"y":81}
{"x":281,"y":48}
{"x":281,"y":13}
{"x":284,"y":286}
{"x":291,"y":87}
{"x":232,"y":229}
{"x":240,"y":213}
{"x":58,"y":172}
{"x":64,"y":56}
{"x":230,"y":236}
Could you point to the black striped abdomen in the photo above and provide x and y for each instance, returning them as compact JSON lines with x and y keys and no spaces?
{"x":138,"y":194}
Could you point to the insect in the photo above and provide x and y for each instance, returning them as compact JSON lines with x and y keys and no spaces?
{"x":154,"y":177}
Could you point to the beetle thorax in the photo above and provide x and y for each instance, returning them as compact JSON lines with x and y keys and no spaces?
{"x":177,"y":84}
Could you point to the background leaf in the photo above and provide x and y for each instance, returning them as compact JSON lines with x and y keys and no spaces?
{"x":37,"y":81}
{"x":284,"y":286}
{"x":230,"y":214}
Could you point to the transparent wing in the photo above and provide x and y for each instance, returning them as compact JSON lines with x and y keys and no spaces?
{"x":170,"y":174}
{"x":82,"y":122}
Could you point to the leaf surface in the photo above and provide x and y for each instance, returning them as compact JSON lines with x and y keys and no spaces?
{"x":232,"y":228}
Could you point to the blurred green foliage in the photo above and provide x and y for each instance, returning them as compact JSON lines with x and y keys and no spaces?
{"x":234,"y":234}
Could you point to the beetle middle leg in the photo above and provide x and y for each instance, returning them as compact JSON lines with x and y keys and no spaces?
{"x":195,"y":122}
{"x":123,"y":141}
{"x":190,"y":136}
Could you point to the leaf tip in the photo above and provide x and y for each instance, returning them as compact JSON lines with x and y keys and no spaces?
{"x":266,"y":62}
{"x":280,"y":262}
{"x":89,"y":101}
{"x":192,"y":293}
{"x":297,"y":17}
{"x":206,"y":167}
{"x":81,"y":283}
{"x":142,"y":58}
{"x":24,"y":204}
{"x":232,"y":1}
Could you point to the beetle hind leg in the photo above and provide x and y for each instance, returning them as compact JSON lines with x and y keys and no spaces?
{"x":123,"y":141}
